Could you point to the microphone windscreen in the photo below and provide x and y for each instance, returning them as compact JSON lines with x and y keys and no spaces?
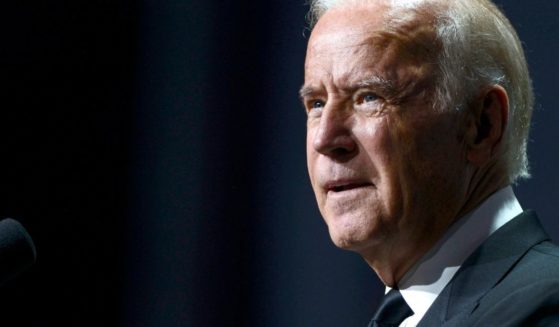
{"x":17,"y":250}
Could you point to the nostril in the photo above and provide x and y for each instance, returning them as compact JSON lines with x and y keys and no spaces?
{"x":339,"y":145}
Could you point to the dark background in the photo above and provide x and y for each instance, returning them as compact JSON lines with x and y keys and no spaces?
{"x":155,"y":152}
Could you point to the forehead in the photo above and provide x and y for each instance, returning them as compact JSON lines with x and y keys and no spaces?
{"x":371,"y":34}
{"x":412,"y":29}
{"x":346,"y":26}
{"x":369,"y":14}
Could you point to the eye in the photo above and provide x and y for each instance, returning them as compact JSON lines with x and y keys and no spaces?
{"x":368,"y":101}
{"x":370,"y":97}
{"x":314,"y":106}
{"x":317,"y":104}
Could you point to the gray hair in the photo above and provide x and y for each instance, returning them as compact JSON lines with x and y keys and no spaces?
{"x":480,"y":48}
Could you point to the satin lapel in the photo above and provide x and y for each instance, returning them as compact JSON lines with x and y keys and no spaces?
{"x":484,"y":269}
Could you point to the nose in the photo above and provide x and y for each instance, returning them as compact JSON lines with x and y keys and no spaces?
{"x":333,"y":136}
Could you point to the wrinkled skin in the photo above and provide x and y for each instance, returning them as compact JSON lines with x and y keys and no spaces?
{"x":390,"y":172}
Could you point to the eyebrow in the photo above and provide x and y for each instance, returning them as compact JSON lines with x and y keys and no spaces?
{"x":373,"y":81}
{"x":306,"y":90}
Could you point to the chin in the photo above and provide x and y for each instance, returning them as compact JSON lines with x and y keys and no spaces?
{"x":352,"y":240}
{"x":353,"y":230}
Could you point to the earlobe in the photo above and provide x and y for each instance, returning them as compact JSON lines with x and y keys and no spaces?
{"x":490,"y":117}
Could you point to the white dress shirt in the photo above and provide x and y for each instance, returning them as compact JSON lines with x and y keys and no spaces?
{"x":421,"y":285}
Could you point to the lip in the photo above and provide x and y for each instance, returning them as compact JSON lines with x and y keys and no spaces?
{"x":341,"y":186}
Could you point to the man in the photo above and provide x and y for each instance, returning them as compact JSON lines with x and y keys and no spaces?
{"x":418,"y":115}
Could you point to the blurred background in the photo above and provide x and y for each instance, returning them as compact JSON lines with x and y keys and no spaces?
{"x":155,"y":152}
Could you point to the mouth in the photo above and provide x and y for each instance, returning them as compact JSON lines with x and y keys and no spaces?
{"x":342,"y":187}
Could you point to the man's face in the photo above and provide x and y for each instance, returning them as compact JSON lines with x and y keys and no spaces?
{"x":388,"y":170}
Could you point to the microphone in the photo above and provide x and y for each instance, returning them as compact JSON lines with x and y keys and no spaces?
{"x":17,"y":250}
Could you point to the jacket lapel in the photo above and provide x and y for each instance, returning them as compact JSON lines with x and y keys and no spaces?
{"x":484,"y":269}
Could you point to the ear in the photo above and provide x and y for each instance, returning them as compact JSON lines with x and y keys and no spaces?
{"x":487,"y":126}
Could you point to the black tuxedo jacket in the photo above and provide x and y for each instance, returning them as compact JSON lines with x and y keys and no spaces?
{"x":512,"y":279}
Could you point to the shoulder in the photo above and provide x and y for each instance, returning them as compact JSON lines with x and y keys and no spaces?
{"x":528,"y":294}
{"x":540,"y":263}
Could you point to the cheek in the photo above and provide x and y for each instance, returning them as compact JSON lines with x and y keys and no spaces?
{"x":422,"y":143}
{"x":408,"y":162}
{"x":376,"y":139}
{"x":381,"y":147}
{"x":312,"y":169}
{"x":311,"y":155}
{"x":384,"y":158}
{"x":429,"y":160}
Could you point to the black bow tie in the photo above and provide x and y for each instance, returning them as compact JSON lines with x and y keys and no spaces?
{"x":392,"y":310}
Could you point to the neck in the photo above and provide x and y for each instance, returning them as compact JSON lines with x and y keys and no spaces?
{"x":392,"y":260}
{"x":391,"y":271}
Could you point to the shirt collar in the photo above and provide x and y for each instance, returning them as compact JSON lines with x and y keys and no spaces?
{"x":421,"y":285}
